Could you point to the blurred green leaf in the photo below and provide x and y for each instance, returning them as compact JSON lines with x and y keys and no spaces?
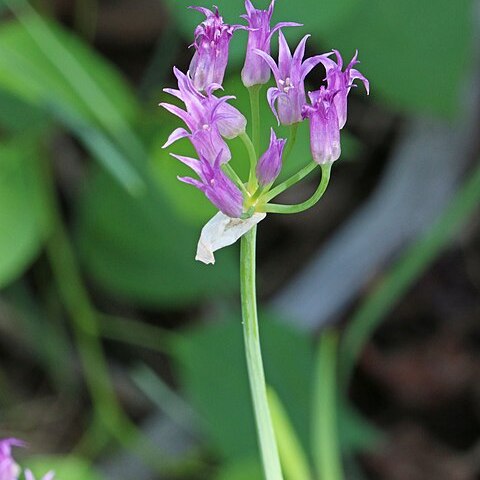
{"x":16,"y":115}
{"x":23,"y":212}
{"x":42,"y":64}
{"x":403,"y":45}
{"x":245,"y":470}
{"x":294,"y":460}
{"x":138,"y":248}
{"x":212,"y":369}
{"x":68,"y":468}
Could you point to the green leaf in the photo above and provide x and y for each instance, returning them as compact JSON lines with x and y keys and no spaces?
{"x":404,"y":46}
{"x":245,"y":470}
{"x":23,"y":212}
{"x":294,"y":460}
{"x":138,"y":248}
{"x":71,"y":468}
{"x":43,"y":65}
{"x":212,"y":368}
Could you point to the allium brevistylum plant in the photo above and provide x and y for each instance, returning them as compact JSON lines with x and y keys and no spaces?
{"x":9,"y":470}
{"x":211,"y":120}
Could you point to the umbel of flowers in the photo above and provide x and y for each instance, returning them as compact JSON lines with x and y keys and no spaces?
{"x":211,"y":120}
{"x":9,"y":470}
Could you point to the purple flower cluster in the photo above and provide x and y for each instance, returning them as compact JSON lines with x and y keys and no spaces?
{"x":9,"y":470}
{"x":211,"y":120}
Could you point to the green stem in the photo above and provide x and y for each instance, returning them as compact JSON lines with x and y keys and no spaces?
{"x":252,"y":181}
{"x":255,"y":109}
{"x":304,"y":172}
{"x":266,"y":435}
{"x":291,"y":141}
{"x":232,"y":174}
{"x":325,"y":433}
{"x":301,"y":207}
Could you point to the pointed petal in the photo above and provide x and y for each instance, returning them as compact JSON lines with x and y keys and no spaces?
{"x":354,"y":74}
{"x":271,"y":63}
{"x":272,"y":95}
{"x":177,"y":134}
{"x":178,"y":112}
{"x":280,"y":25}
{"x":193,"y":163}
{"x":172,"y":91}
{"x":300,"y":52}
{"x":312,"y":62}
{"x":284,"y":56}
{"x":192,"y":181}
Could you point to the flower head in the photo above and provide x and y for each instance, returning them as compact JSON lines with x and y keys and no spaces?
{"x":9,"y":470}
{"x":216,"y":186}
{"x":270,"y":163}
{"x":342,"y":81}
{"x":212,"y":41}
{"x":289,"y":95}
{"x":256,"y":71}
{"x":207,"y":117}
{"x":324,"y":126}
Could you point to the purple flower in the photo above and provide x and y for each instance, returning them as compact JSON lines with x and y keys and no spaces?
{"x":342,"y":82}
{"x":207,"y":117}
{"x":216,"y":186}
{"x":29,"y":476}
{"x":324,"y":126}
{"x":212,"y":40}
{"x":256,"y":71}
{"x":290,"y":74}
{"x":270,"y":163}
{"x":9,"y":470}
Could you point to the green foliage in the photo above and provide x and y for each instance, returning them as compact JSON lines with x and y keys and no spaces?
{"x":71,"y":468}
{"x":23,"y":212}
{"x":51,"y":69}
{"x":403,"y":45}
{"x":213,"y":372}
{"x":136,"y":247}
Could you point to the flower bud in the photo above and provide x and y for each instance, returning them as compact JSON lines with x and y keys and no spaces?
{"x":212,"y":42}
{"x":324,"y":126}
{"x":270,"y":163}
{"x":256,"y":71}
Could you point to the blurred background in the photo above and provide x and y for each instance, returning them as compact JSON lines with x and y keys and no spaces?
{"x":121,"y":357}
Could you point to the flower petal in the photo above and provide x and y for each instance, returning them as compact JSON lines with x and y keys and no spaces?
{"x":222,"y":231}
{"x":177,"y":134}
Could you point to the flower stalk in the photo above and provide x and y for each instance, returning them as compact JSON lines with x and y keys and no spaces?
{"x":265,"y":432}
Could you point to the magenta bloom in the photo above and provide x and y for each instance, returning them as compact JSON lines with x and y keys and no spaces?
{"x":342,"y":82}
{"x":270,"y":163}
{"x":212,"y":41}
{"x":216,"y":186}
{"x":256,"y":71}
{"x":324,"y":126}
{"x":207,"y":117}
{"x":9,"y":470}
{"x":289,"y":95}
